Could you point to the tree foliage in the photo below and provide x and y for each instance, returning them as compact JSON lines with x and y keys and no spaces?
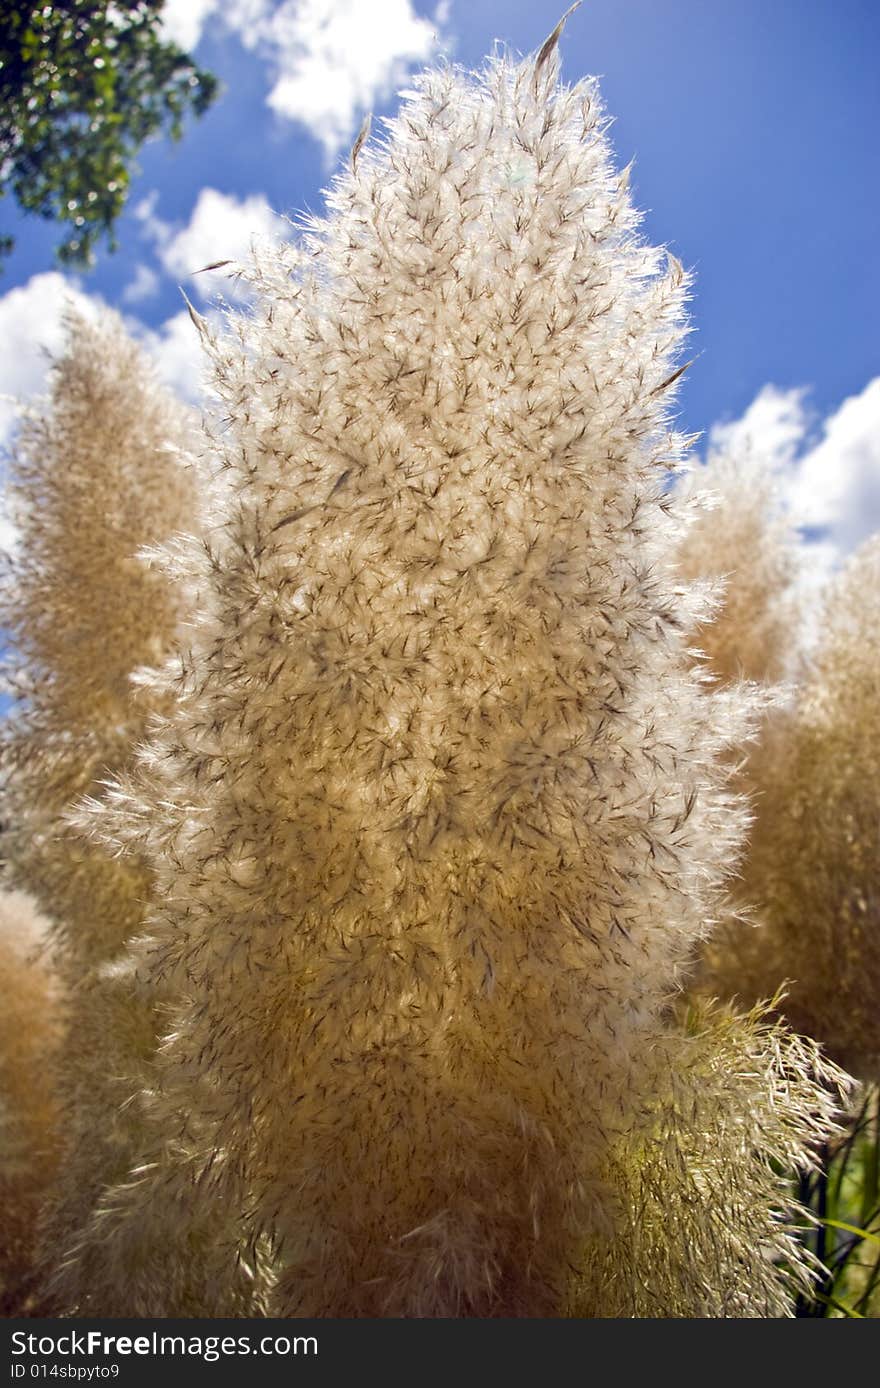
{"x":82,"y":86}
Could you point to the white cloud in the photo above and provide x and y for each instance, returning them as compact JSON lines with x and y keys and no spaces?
{"x":330,"y":61}
{"x":31,"y":330}
{"x":184,"y":20}
{"x":153,"y":225}
{"x":177,"y":351}
{"x":837,"y":482}
{"x":772,"y":429}
{"x":221,"y":228}
{"x":333,"y":60}
{"x":144,"y":285}
{"x":831,"y":485}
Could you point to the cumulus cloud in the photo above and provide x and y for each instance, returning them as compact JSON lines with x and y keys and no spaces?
{"x":154,"y":227}
{"x":143,"y":286}
{"x":829,"y":477}
{"x":177,"y":352}
{"x":773,"y":428}
{"x":221,"y":228}
{"x":837,"y":482}
{"x":184,"y":20}
{"x":329,"y":61}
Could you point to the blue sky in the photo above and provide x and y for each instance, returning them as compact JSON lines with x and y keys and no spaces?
{"x":753,"y":125}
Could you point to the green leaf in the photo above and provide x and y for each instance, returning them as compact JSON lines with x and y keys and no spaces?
{"x":851,"y":1229}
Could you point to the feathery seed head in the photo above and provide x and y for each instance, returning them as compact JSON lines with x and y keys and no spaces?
{"x":29,"y":1119}
{"x":439,"y":813}
{"x":97,"y":473}
{"x":739,"y":536}
{"x":812,"y":867}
